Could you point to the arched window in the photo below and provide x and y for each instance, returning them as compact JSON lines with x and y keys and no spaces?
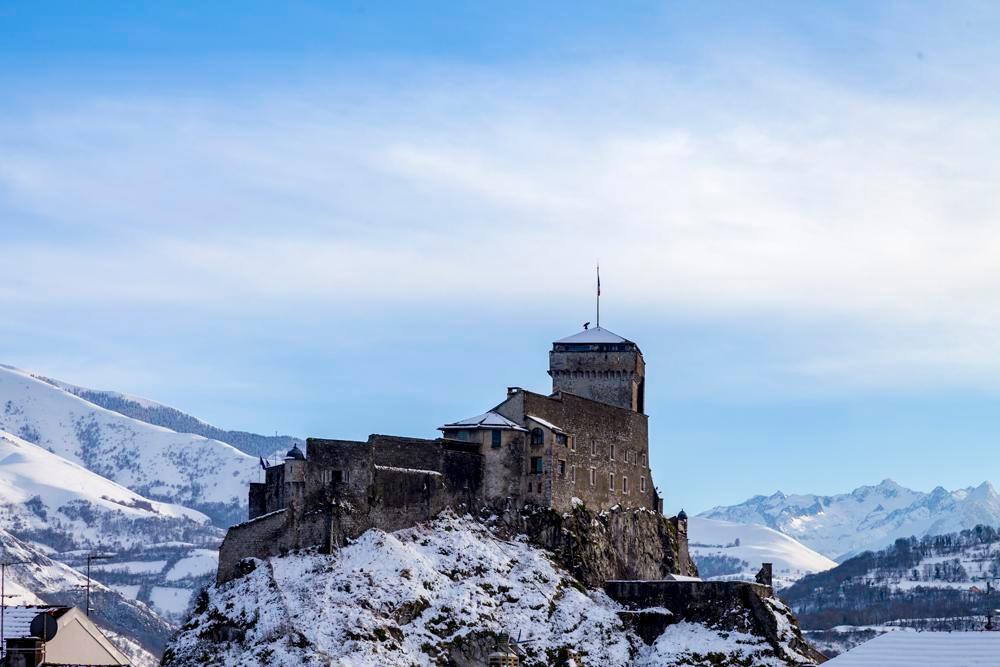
{"x":537,"y":436}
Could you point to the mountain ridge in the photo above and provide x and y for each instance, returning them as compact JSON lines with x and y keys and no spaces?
{"x":869,"y":517}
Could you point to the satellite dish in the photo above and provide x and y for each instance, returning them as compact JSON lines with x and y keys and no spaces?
{"x":44,"y":627}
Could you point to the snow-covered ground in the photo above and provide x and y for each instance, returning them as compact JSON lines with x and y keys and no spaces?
{"x":727,"y":550}
{"x":426,"y":595}
{"x":870,"y":517}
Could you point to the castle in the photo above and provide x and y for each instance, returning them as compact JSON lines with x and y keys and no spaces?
{"x":585,"y":443}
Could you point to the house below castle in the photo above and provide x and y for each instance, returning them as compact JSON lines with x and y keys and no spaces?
{"x":586,"y":442}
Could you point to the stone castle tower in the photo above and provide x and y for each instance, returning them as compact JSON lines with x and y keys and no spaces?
{"x":601,"y":366}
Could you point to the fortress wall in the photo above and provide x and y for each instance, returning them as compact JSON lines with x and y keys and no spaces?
{"x":595,"y":423}
{"x":407,"y":452}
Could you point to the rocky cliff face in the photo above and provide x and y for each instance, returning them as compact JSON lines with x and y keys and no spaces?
{"x":612,"y":544}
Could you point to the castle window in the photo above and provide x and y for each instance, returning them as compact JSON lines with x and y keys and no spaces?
{"x":537,"y":436}
{"x":572,"y":443}
{"x":539,"y":486}
{"x":562,"y":439}
{"x":593,"y":476}
{"x":562,"y":468}
{"x":611,"y":482}
{"x":624,"y":484}
{"x":572,"y":473}
{"x":644,"y":459}
{"x":537,"y":465}
{"x":642,"y":485}
{"x":612,"y":452}
{"x":495,"y":435}
{"x":462,"y":435}
{"x":593,"y":448}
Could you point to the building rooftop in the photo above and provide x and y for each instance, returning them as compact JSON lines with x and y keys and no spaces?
{"x":549,"y":425}
{"x":592,"y":336}
{"x":17,"y":619}
{"x":488,"y":420}
{"x":915,"y":649}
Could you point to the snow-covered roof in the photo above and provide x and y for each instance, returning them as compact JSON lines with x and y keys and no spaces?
{"x":594,"y":335}
{"x":17,"y":620}
{"x":915,"y":649}
{"x":548,"y":425}
{"x":488,"y":420}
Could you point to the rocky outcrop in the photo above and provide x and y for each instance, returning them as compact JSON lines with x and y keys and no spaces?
{"x":602,"y":546}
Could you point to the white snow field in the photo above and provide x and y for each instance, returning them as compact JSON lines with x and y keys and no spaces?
{"x":152,"y":461}
{"x":40,"y":490}
{"x":753,"y":545}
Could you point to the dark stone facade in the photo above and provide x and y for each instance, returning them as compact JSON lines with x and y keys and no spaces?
{"x":603,"y":461}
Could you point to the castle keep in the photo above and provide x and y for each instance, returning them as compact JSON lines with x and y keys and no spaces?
{"x":585,"y":443}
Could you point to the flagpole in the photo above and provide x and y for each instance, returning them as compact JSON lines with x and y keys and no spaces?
{"x":598,"y":295}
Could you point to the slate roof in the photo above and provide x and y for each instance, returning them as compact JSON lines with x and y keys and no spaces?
{"x":487,"y":420}
{"x":593,"y":336}
{"x":918,"y":649}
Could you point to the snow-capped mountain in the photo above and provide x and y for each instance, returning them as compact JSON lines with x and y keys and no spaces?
{"x":64,"y":506}
{"x":162,"y":553}
{"x":186,"y":469}
{"x":438,"y":593}
{"x":870,"y":517}
{"x":159,"y":414}
{"x":727,"y":550}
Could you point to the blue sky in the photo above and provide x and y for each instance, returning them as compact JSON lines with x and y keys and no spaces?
{"x":337,"y":219}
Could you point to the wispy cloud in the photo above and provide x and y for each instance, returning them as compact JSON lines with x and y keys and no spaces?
{"x":875,"y":214}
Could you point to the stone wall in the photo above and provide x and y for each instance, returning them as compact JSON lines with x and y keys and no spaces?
{"x":612,"y":441}
{"x":725,"y":605}
{"x":613,"y":374}
{"x":394,"y":498}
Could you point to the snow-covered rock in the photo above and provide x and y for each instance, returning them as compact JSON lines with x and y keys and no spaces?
{"x":870,"y":517}
{"x":726,"y":550}
{"x":439,"y":592}
{"x":156,"y":462}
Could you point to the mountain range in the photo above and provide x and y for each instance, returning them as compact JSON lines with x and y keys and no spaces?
{"x":870,"y":517}
{"x":204,"y":474}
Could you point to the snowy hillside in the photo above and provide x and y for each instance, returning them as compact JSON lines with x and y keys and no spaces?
{"x":870,"y":517}
{"x":37,"y":579}
{"x":158,"y":414}
{"x":158,"y":463}
{"x":64,"y":506}
{"x":933,"y":583}
{"x":727,"y":550}
{"x":439,"y":593}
